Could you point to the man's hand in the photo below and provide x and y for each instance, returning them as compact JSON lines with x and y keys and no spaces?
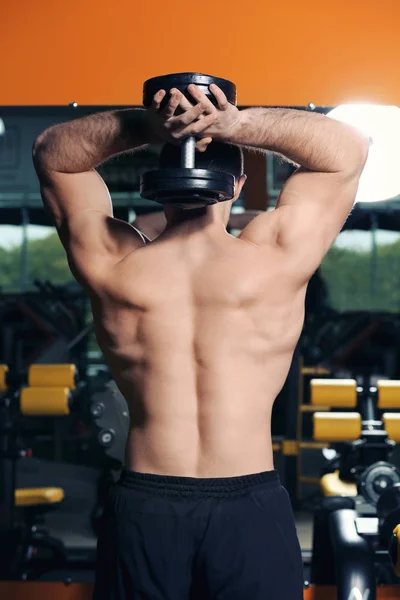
{"x":180,"y":118}
{"x":224,"y":118}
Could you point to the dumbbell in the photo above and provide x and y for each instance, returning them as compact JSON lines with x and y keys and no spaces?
{"x":187,"y":186}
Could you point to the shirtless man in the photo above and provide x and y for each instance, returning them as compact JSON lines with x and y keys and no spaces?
{"x":199,"y":329}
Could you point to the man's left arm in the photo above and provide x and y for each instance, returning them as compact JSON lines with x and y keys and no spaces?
{"x":65,"y":158}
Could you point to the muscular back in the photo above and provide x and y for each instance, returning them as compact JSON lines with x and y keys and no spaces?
{"x":199,"y":332}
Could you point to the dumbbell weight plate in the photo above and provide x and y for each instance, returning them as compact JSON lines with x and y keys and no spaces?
{"x":376,"y":479}
{"x":188,"y":186}
{"x":181,"y":81}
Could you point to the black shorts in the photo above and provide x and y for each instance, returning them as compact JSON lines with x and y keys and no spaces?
{"x":181,"y":538}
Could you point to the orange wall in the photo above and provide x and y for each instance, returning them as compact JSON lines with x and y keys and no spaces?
{"x":284,"y":52}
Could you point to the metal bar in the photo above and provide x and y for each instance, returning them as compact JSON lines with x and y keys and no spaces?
{"x":314,"y":445}
{"x":24,"y":249}
{"x":374,"y":261}
{"x":188,"y":147}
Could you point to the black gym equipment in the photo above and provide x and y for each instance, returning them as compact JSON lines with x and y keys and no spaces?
{"x":355,"y":341}
{"x":22,"y":534}
{"x":27,"y":551}
{"x":110,"y":413}
{"x":388,"y":511}
{"x":187,"y":187}
{"x":48,"y":325}
{"x":351,"y":535}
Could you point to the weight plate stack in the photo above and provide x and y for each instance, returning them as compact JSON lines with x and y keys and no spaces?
{"x":187,"y":186}
{"x":181,"y":81}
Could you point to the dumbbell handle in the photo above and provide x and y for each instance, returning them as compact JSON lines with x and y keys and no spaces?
{"x":188,"y":147}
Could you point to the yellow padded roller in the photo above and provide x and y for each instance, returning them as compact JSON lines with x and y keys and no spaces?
{"x":3,"y":378}
{"x":340,"y":393}
{"x":38,"y":496}
{"x":44,"y":401}
{"x":336,"y":427}
{"x":388,"y":393}
{"x":332,"y":485}
{"x":394,"y":550}
{"x":52,"y":376}
{"x":391,"y":423}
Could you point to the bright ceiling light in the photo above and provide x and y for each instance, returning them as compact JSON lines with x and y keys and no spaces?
{"x":2,"y":127}
{"x":380,"y":179}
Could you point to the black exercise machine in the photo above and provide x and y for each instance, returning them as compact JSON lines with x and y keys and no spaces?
{"x":26,"y":548}
{"x":354,"y":524}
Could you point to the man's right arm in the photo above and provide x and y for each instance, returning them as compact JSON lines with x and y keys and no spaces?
{"x":317,"y":199}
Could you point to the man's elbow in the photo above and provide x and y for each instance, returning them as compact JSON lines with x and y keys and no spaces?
{"x":40,"y":150}
{"x":358,"y":154}
{"x":364,"y":144}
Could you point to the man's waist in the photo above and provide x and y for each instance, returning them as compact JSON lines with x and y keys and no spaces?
{"x":217,"y":487}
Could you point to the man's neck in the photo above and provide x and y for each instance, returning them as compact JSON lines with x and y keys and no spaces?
{"x":198,"y":218}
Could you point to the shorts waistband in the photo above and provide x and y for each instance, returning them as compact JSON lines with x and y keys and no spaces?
{"x":164,"y":485}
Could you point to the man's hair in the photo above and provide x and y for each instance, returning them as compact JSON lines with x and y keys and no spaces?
{"x":219,"y":156}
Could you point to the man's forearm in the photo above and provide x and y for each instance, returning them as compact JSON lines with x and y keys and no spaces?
{"x":83,"y":144}
{"x":312,"y":140}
